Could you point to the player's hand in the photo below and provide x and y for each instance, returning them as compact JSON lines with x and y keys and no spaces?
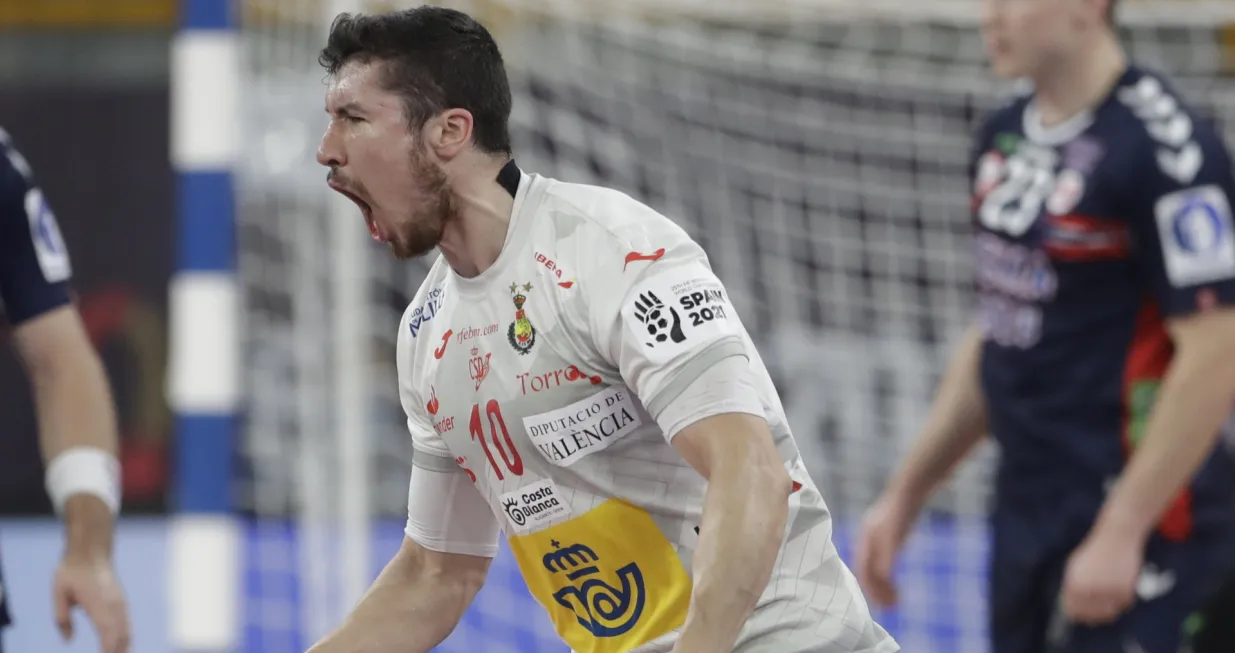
{"x":884,"y":529}
{"x":1100,"y":580}
{"x":89,"y":582}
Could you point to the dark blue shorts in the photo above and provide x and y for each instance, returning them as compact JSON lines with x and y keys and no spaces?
{"x":1025,"y":615}
{"x":1215,"y":626}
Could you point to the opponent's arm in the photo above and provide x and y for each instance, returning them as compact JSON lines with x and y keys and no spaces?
{"x":957,"y":419}
{"x":1194,"y":400}
{"x":744,"y":514}
{"x":73,"y":404}
{"x":76,"y":420}
{"x":77,"y":435}
{"x":1183,"y":226}
{"x":957,"y":422}
{"x":414,"y":604}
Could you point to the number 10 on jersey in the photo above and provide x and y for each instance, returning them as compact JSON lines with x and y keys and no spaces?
{"x":489,"y":439}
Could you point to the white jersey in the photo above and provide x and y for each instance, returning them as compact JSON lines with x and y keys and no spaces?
{"x":542,"y":378}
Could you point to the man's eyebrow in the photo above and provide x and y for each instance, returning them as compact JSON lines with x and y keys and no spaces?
{"x":350,"y":107}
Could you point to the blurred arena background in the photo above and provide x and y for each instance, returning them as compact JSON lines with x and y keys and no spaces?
{"x":816,"y":148}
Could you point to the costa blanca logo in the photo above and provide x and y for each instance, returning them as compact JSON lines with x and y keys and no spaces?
{"x":533,"y":506}
{"x":521,"y":334}
{"x":589,"y":425}
{"x":426,"y":311}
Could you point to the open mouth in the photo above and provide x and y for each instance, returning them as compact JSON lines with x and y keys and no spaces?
{"x":366,"y":210}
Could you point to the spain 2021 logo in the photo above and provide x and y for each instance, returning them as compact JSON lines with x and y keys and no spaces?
{"x":521,"y":334}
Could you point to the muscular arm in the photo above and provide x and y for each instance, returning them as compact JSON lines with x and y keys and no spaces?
{"x":414,"y":604}
{"x":1195,"y":398}
{"x":74,"y":408}
{"x":744,"y":514}
{"x":957,"y":422}
{"x":1197,"y":392}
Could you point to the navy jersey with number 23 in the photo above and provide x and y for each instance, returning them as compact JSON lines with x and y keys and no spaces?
{"x":1090,"y":234}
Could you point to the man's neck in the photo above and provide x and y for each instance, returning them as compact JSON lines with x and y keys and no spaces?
{"x":1080,"y":84}
{"x":473,"y":240}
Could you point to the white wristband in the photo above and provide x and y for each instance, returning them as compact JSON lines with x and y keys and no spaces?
{"x":84,"y":470}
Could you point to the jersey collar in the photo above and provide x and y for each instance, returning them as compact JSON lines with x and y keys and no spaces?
{"x":1055,"y":134}
{"x":508,"y":177}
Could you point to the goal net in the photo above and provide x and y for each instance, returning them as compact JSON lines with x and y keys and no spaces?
{"x":816,"y":149}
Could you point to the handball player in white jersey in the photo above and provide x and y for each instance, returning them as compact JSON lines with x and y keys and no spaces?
{"x":575,"y":379}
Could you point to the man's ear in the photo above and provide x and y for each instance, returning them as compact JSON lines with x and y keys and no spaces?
{"x":449,"y":133}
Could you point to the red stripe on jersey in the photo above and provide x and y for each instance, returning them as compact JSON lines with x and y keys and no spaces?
{"x":1149,"y":356}
{"x":1082,"y":238}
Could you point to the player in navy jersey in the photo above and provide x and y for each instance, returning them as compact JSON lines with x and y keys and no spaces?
{"x":77,"y":424}
{"x":1102,"y":357}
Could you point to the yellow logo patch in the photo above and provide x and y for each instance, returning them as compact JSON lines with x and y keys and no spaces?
{"x":608,"y":578}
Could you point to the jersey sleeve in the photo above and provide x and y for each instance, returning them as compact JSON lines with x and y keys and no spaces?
{"x":445,"y":511}
{"x":425,"y":439}
{"x":1181,"y":216}
{"x":34,"y":262}
{"x":660,"y":316}
{"x":446,"y":514}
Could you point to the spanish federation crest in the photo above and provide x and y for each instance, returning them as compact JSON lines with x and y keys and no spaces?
{"x":521,"y":334}
{"x":478,"y":368}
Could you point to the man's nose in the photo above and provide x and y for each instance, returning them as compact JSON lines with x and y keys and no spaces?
{"x":328,"y":151}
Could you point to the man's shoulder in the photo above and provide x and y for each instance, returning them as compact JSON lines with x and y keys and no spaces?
{"x":15,"y":178}
{"x":597,"y":231}
{"x":1148,"y":94}
{"x":1151,"y":118}
{"x":427,"y":302}
{"x":1156,"y":111}
{"x":601,"y":219}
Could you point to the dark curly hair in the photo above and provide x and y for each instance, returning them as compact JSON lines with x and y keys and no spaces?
{"x":437,"y":59}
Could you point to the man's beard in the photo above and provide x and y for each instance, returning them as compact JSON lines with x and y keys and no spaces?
{"x":423,"y":232}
